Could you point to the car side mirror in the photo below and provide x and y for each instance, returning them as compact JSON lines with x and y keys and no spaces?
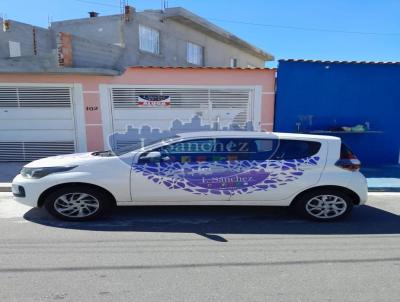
{"x":153,"y":155}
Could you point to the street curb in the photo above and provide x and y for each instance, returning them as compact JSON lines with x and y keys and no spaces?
{"x":5,"y":187}
{"x":383,"y":189}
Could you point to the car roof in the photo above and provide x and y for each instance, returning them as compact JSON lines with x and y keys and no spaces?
{"x":257,"y":134}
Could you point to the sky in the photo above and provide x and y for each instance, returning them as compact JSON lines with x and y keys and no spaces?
{"x":351,"y":30}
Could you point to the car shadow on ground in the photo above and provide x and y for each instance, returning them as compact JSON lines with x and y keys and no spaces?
{"x":210,"y":220}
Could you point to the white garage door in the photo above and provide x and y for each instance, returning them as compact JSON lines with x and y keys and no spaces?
{"x":35,"y":122}
{"x":189,"y":109}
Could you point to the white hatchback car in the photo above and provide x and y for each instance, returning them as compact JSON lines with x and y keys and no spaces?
{"x":316,"y":175}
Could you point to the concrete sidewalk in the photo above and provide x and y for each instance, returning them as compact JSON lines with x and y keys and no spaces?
{"x":383,"y":178}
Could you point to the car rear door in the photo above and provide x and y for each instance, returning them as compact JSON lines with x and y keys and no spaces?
{"x":276,"y":169}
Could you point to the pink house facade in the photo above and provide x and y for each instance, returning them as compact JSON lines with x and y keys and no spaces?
{"x":81,"y":112}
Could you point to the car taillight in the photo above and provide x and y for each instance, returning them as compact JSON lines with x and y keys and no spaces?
{"x":348,"y":160}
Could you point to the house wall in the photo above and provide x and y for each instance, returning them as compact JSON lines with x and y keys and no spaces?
{"x":89,"y":53}
{"x":88,"y":92}
{"x":105,"y":29}
{"x":23,"y":33}
{"x":173,"y":39}
{"x":343,"y":94}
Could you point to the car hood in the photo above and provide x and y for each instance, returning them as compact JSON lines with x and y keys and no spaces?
{"x":64,"y":160}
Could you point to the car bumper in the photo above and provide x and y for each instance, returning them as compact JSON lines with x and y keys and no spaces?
{"x":26,"y":191}
{"x":358,"y":183}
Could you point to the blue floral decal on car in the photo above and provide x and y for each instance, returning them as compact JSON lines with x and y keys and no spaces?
{"x":225,"y":177}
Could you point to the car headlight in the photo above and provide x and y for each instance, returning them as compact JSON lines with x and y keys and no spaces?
{"x":42,"y":172}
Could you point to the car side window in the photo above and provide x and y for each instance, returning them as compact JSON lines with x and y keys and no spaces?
{"x":296,"y":149}
{"x":210,"y":150}
{"x":220,"y":149}
{"x":247,"y":148}
{"x":196,"y":150}
{"x":232,"y":149}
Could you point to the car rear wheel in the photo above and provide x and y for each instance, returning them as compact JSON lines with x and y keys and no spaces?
{"x":324,"y":205}
{"x":78,"y":203}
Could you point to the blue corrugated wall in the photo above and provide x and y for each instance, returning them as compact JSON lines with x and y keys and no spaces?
{"x":320,"y":95}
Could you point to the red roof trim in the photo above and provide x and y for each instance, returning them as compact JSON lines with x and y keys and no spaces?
{"x":202,"y":67}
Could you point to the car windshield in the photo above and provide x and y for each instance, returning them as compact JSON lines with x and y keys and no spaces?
{"x":142,"y":144}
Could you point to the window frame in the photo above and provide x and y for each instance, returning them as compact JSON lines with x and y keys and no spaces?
{"x":14,"y":48}
{"x":147,"y":38}
{"x":217,"y":140}
{"x":234,"y":62}
{"x":188,"y":57}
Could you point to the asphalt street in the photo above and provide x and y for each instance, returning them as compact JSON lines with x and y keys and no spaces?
{"x":201,"y":254}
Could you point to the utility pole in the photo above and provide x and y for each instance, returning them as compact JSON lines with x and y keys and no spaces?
{"x":164,"y":4}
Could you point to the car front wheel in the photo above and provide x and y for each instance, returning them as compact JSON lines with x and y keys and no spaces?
{"x":324,"y":205}
{"x":78,"y":203}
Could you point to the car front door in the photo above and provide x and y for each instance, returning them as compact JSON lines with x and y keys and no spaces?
{"x":187,"y":171}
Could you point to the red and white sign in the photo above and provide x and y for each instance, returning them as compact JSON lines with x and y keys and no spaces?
{"x":154,"y":101}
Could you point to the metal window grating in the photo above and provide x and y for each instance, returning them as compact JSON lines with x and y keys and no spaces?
{"x":28,"y":151}
{"x":125,"y":143}
{"x":188,"y":98}
{"x":29,"y":96}
{"x":185,"y":98}
{"x":180,"y":98}
{"x":229,"y":98}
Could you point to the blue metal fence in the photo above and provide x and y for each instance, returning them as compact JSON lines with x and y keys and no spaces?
{"x":323,"y":97}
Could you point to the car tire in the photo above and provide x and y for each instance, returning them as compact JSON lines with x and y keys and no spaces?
{"x":323,"y":205}
{"x":78,"y":203}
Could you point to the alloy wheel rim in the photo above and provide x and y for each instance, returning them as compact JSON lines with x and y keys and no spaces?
{"x":76,"y":205}
{"x":326,"y":206}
